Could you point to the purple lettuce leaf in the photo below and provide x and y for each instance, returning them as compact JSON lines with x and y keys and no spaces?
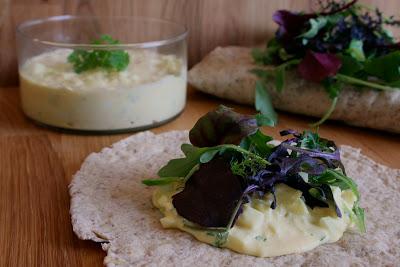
{"x":309,"y":154}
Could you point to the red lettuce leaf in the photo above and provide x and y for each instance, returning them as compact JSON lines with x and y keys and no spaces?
{"x":316,"y":67}
{"x":222,"y":126}
{"x":210,"y":195}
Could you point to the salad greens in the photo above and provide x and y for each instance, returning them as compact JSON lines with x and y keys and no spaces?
{"x":110,"y":60}
{"x":343,"y":43}
{"x":230,"y":161}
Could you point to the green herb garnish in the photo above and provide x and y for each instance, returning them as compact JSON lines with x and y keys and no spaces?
{"x":260,"y":238}
{"x":221,"y":236}
{"x":109,"y":60}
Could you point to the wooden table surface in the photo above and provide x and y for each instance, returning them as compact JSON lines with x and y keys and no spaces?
{"x":36,"y":166}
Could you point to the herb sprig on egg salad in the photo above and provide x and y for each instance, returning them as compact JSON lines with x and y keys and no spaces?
{"x":343,"y":43}
{"x":230,"y":162}
{"x":110,"y":60}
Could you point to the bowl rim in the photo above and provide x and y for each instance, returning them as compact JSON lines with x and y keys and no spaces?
{"x":149,"y":44}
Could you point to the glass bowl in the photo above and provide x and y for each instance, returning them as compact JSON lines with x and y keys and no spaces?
{"x":102,"y":74}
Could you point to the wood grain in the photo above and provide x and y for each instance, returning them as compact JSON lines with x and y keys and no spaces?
{"x":211,"y":23}
{"x":36,"y":166}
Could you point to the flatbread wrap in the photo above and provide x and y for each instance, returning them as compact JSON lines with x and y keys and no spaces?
{"x":225,"y":73}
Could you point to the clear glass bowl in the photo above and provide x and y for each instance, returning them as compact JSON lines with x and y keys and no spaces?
{"x":149,"y":91}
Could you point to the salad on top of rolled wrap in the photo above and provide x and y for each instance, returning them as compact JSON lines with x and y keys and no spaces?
{"x":339,"y":63}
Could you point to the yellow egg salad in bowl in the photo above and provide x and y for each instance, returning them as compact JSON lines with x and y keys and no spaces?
{"x":102,"y":74}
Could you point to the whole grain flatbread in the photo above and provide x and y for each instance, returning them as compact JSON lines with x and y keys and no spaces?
{"x":110,"y":205}
{"x":225,"y":73}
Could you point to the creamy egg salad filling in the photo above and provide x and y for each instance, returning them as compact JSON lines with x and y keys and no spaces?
{"x":292,"y":227}
{"x":235,"y":189}
{"x":151,"y":89}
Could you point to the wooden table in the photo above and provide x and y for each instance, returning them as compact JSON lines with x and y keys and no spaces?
{"x":36,"y":166}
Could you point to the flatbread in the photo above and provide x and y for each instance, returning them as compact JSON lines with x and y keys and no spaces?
{"x":110,"y":205}
{"x":225,"y":73}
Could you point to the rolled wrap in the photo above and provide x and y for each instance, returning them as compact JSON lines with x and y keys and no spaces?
{"x":225,"y":73}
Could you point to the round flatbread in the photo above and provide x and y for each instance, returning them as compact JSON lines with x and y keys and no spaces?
{"x":109,"y":204}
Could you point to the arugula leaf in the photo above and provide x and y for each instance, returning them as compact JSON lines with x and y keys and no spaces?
{"x":180,"y":167}
{"x":311,"y":140}
{"x":263,"y":104}
{"x":162,"y":181}
{"x":257,"y":143}
{"x":324,"y":193}
{"x":168,"y":180}
{"x":110,"y":60}
{"x":222,"y":126}
{"x":337,"y":178}
{"x":385,"y":67}
{"x":209,"y":155}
